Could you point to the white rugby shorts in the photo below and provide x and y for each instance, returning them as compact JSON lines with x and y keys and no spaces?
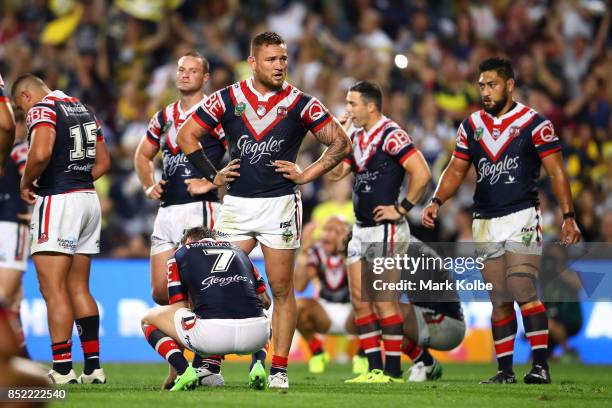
{"x":384,"y":240}
{"x":221,"y":336}
{"x":172,"y":221}
{"x":68,"y":223}
{"x":275,"y":222}
{"x":338,"y":313}
{"x":519,"y":232}
{"x":14,"y":245}
{"x":438,"y":331}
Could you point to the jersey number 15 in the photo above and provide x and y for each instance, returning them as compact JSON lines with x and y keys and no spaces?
{"x":82,"y":147}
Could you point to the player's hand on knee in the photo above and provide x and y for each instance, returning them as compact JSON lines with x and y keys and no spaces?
{"x":430,"y":214}
{"x":570,"y":233}
{"x":156,"y":191}
{"x":227,"y":174}
{"x":386,"y":213}
{"x":197,"y":186}
{"x":290,"y":171}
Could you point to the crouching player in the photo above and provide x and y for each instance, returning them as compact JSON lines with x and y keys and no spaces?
{"x":216,"y":308}
{"x":331,"y":313}
{"x":432,"y":319}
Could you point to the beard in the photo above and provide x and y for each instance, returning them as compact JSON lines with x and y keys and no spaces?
{"x":268,"y":83}
{"x":497,"y":105}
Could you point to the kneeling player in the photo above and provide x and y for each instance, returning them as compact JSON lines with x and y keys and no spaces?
{"x":331,"y":312}
{"x":431,"y":319}
{"x":214,"y":307}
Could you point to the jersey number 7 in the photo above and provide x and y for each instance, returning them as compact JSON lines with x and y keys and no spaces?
{"x":224,"y":259}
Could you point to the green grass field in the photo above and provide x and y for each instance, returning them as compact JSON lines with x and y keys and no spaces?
{"x":137,"y":385}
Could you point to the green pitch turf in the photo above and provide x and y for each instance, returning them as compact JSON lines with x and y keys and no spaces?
{"x":137,"y":385}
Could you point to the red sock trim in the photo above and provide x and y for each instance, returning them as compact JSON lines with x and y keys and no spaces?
{"x":533,"y":310}
{"x":392,"y":320}
{"x":279,"y":361}
{"x":370,"y":342}
{"x":412,"y":350}
{"x":315,"y":345}
{"x":61,"y":345}
{"x":538,"y":340}
{"x":504,"y":320}
{"x":372,"y":318}
{"x":392,"y":345}
{"x":505,"y":347}
{"x":148,"y":330}
{"x":92,"y":346}
{"x":167,"y":346}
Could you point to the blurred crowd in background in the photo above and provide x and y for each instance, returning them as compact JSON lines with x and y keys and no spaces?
{"x":119,"y":57}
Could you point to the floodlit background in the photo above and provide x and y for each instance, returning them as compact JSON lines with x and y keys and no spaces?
{"x":119,"y":57}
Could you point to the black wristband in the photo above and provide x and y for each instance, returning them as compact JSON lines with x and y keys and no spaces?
{"x":202,"y":164}
{"x":406,"y":205}
{"x":436,"y":200}
{"x":569,"y":214}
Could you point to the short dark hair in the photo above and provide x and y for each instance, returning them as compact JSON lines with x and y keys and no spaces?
{"x":370,"y":92}
{"x":198,"y":234}
{"x":266,"y":38}
{"x":502,"y":66}
{"x":195,"y":54}
{"x":27,"y":77}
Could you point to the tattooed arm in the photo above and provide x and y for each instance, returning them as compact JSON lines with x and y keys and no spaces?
{"x":338,"y":145}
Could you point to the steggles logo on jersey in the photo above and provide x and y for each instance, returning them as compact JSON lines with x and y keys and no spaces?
{"x":214,"y":280}
{"x":172,"y":163}
{"x":167,"y":126}
{"x":79,"y":167}
{"x":363,"y":179}
{"x":494,"y":171}
{"x":478,"y":134}
{"x":256,"y":151}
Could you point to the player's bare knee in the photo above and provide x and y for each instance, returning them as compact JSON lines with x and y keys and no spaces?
{"x":304,"y":322}
{"x":362,"y":309}
{"x":521,"y":282}
{"x":281,"y":289}
{"x":159,"y":296}
{"x":53,"y":291}
{"x":150,"y":316}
